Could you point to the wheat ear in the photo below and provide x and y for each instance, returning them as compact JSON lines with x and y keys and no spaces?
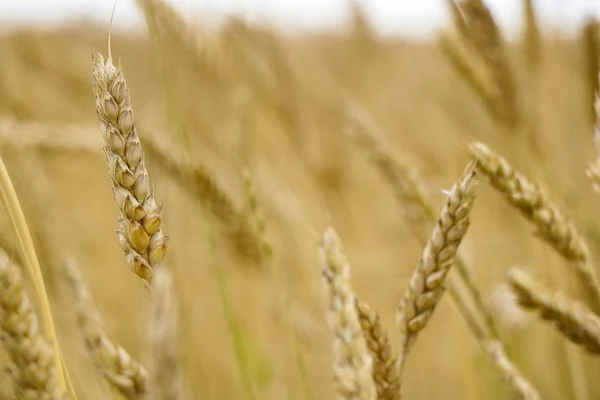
{"x":574,"y":319}
{"x":427,"y":283}
{"x":35,"y":373}
{"x":385,"y":369}
{"x":139,"y":216}
{"x":352,"y":364}
{"x":166,"y":373}
{"x":551,"y":224}
{"x":417,"y":207}
{"x":121,"y":371}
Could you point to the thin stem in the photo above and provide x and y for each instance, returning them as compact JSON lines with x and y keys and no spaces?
{"x":18,"y":223}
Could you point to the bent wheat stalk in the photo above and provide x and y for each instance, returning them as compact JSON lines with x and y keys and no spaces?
{"x":139,"y":216}
{"x":427,"y":283}
{"x":352,"y":362}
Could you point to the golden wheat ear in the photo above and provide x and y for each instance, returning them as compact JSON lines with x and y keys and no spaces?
{"x":352,"y":365}
{"x":385,"y":368}
{"x":552,"y":225}
{"x":34,"y":370}
{"x":427,"y":283}
{"x":139,"y":216}
{"x":115,"y":364}
{"x":574,"y":319}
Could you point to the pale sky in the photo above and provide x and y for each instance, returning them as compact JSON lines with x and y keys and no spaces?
{"x":413,"y":17}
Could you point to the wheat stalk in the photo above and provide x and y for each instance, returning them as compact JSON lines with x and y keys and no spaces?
{"x":139,"y":216}
{"x":427,"y":283}
{"x":385,"y":369}
{"x":352,"y":365}
{"x":519,"y":385}
{"x":35,"y":373}
{"x":166,"y":373}
{"x":573,"y":319}
{"x":117,"y":366}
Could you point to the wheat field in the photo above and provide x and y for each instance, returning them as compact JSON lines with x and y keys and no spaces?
{"x":296,"y":181}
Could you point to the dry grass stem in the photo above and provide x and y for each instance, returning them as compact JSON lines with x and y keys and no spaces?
{"x":352,"y":365}
{"x":117,"y":366}
{"x":35,"y":373}
{"x":385,"y":369}
{"x":573,"y":319}
{"x":139,"y":216}
{"x":427,"y":283}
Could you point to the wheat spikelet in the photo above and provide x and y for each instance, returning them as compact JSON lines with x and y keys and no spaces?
{"x":166,"y":375}
{"x":426,"y":285}
{"x":385,"y":369}
{"x":573,"y":319}
{"x":521,"y":388}
{"x":352,"y":365}
{"x":551,"y":224}
{"x":139,"y":216}
{"x":116,"y":365}
{"x":34,"y":372}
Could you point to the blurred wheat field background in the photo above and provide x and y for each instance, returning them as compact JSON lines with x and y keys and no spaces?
{"x":245,"y":106}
